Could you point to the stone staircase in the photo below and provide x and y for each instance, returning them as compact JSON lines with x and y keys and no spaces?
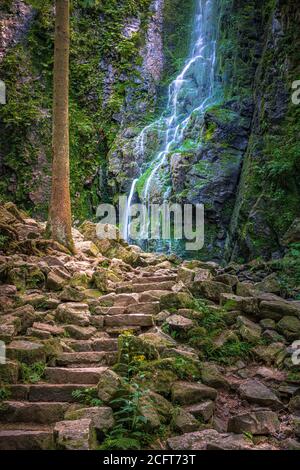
{"x":89,"y":337}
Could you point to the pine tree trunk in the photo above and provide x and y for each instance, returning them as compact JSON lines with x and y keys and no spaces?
{"x":60,"y":219}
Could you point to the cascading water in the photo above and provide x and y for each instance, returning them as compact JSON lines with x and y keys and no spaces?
{"x":189,"y":95}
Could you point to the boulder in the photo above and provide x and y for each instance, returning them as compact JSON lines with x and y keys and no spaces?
{"x":179,"y":323}
{"x":9,"y":372}
{"x":276,"y":309}
{"x":249,"y":331}
{"x":80,"y":332}
{"x":8,"y":290}
{"x":228,"y":279}
{"x":294,"y":404}
{"x":52,"y":329}
{"x":10,"y":326}
{"x":243,"y":304}
{"x":71,"y":294}
{"x":162,"y":316}
{"x":212,"y":377}
{"x":269,"y":354}
{"x":55,"y":282}
{"x":109,"y":385}
{"x":202,"y":275}
{"x":101,"y":416}
{"x":272,"y":336}
{"x":36,"y":300}
{"x":267,"y":324}
{"x":261,"y":422}
{"x":211,"y":290}
{"x":245,"y":289}
{"x":185,"y":275}
{"x":269,"y":284}
{"x":293,"y":233}
{"x":176,"y":300}
{"x":88,"y":248}
{"x":209,"y":439}
{"x":27,"y":316}
{"x":256,"y":392}
{"x":296,"y":425}
{"x":74,"y":435}
{"x":188,"y":393}
{"x":26,"y":351}
{"x":74,"y":313}
{"x":290,"y":327}
{"x":183,"y":421}
{"x":202,"y":411}
{"x":100,"y":280}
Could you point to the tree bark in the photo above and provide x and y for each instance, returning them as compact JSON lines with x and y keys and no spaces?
{"x":60,"y":218}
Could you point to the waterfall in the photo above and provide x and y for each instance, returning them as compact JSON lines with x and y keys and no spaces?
{"x":126,"y":223}
{"x":192,"y":92}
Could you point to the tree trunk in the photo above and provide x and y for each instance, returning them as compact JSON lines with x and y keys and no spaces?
{"x":60,"y":219}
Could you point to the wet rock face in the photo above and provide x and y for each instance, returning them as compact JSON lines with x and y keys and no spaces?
{"x":124,"y":162}
{"x":14,"y":23}
{"x":258,"y":227}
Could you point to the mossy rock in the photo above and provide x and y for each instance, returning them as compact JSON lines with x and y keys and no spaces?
{"x":176,"y":300}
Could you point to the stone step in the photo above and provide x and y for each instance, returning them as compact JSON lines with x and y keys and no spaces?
{"x":119,"y":330}
{"x":101,"y":344}
{"x":152,"y":295}
{"x":150,"y":279}
{"x":151,"y":308}
{"x":62,"y":375}
{"x":138,"y":288}
{"x":129,"y":319}
{"x":30,"y":412}
{"x":110,"y":310}
{"x":99,"y":358}
{"x":119,"y":300}
{"x":146,"y":308}
{"x":105,"y":344}
{"x":23,"y":437}
{"x":47,"y":392}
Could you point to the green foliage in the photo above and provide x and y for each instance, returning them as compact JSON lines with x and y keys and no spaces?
{"x":130,"y":431}
{"x":32,"y":373}
{"x":4,"y":394}
{"x":25,"y":138}
{"x":87,"y":396}
{"x":3,"y":241}
{"x":177,"y":34}
{"x":230,"y":352}
{"x":288,"y":272}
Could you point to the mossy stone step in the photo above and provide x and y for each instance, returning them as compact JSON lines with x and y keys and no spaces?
{"x":32,"y":412}
{"x":63,"y":375}
{"x":26,"y":439}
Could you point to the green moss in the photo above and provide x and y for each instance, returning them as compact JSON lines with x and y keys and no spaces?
{"x":32,"y":373}
{"x":176,"y":35}
{"x":25,"y":122}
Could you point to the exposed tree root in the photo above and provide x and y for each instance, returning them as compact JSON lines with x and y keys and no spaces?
{"x":9,"y":231}
{"x":38,"y":247}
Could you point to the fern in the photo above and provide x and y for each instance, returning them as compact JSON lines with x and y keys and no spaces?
{"x":33,"y":373}
{"x":121,"y":443}
{"x":88,"y":397}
